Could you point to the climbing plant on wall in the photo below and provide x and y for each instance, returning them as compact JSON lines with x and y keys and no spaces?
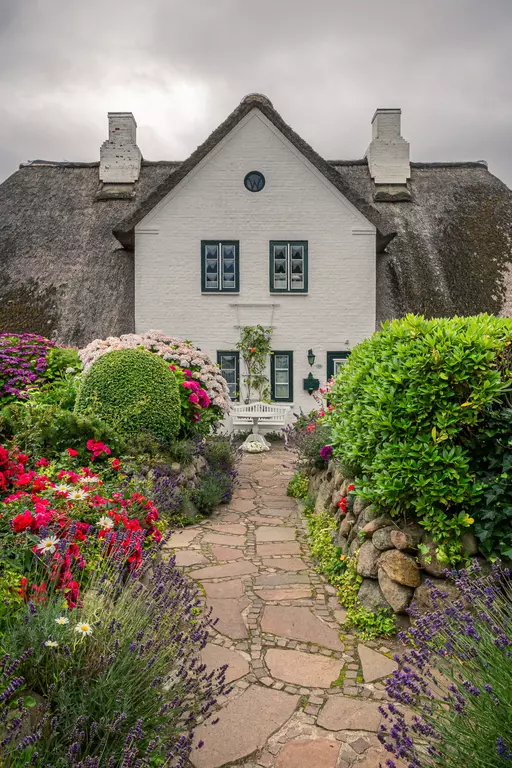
{"x":254,"y":348}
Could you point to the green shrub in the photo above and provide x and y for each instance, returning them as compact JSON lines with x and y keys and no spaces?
{"x":406,"y":404}
{"x":491,"y":461}
{"x":131,"y":390}
{"x":60,"y":360}
{"x":298,"y":486}
{"x":183,"y":451}
{"x":211,"y":491}
{"x":48,"y":430}
{"x":219,"y":453}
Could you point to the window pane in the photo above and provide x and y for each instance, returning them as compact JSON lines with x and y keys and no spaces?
{"x":297,"y":265}
{"x":212,"y":266}
{"x":228,"y":266}
{"x":280,"y":267}
{"x":338,"y":364}
{"x":281,"y":377}
{"x":228,"y":367}
{"x":281,"y":391}
{"x":282,"y":362}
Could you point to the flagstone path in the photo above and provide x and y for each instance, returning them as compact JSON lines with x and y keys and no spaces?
{"x":305,"y":692}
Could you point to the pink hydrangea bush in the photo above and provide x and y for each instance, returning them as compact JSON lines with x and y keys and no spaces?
{"x":179,"y":353}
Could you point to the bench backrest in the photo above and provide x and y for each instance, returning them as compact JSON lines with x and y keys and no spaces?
{"x":253,"y":409}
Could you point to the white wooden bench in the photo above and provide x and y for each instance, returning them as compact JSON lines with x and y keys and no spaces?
{"x":256,"y":414}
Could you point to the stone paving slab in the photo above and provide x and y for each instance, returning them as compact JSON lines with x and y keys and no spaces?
{"x":280,"y":548}
{"x":284,"y":593}
{"x":375,"y":665}
{"x":233,"y":528}
{"x":275,"y":534}
{"x":246,"y":724}
{"x":183,"y":538}
{"x":224,"y":539}
{"x":343,"y":713}
{"x":226,"y":553}
{"x":216,"y":656}
{"x":228,"y":612}
{"x":233,"y":588}
{"x":281,"y":579}
{"x":305,"y":669}
{"x":299,"y":624}
{"x":238,"y":568}
{"x":317,"y":753}
{"x":186,"y":557}
{"x":285,"y":564}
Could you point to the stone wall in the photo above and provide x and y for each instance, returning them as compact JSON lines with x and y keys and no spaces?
{"x":393,"y":570}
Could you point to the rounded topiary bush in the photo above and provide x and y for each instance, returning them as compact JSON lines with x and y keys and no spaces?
{"x":132,"y":389}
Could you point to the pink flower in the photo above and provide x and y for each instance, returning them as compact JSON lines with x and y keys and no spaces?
{"x":187,"y":372}
{"x":42,"y":462}
{"x":172,"y":367}
{"x":72,"y":452}
{"x":193,"y":398}
{"x":187,"y":384}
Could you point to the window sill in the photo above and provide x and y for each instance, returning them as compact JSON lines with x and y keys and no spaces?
{"x":289,"y":293}
{"x":220,"y":293}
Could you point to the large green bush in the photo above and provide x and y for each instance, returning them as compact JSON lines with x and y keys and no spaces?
{"x":407,"y":405}
{"x":131,"y":390}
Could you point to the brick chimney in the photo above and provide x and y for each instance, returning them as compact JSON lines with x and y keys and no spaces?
{"x":120,"y":157}
{"x":388,"y":153}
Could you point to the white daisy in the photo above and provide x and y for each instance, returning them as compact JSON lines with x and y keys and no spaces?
{"x":51,"y":644}
{"x":78,"y":495}
{"x":105,"y":523}
{"x":63,"y":488}
{"x":62,"y":620}
{"x":89,"y":479}
{"x":83,"y":628}
{"x":48,"y":545}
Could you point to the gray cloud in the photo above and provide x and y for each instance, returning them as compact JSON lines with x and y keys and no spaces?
{"x":326,"y":65}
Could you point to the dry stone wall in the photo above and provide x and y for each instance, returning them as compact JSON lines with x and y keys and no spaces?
{"x":388,"y":560}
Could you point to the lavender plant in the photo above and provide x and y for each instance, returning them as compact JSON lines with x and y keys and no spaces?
{"x":455,"y":680}
{"x":118,"y":681}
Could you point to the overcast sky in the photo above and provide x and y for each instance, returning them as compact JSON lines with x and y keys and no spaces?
{"x":182,"y":65}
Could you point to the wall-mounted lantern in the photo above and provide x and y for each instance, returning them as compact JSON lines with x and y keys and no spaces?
{"x":311,"y":357}
{"x":311,"y":384}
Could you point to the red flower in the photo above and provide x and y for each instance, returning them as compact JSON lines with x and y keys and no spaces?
{"x":22,"y":521}
{"x":42,"y":462}
{"x":116,"y":464}
{"x":351,"y":488}
{"x":72,"y":452}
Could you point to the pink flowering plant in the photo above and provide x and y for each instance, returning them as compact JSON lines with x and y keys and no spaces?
{"x":182,"y":354}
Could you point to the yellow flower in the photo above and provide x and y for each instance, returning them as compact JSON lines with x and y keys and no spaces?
{"x":342,"y":558}
{"x":468,"y":520}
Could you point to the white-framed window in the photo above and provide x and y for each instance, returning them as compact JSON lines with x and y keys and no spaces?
{"x":281,"y":376}
{"x":288,"y":266}
{"x":220,"y":266}
{"x":229,"y":364}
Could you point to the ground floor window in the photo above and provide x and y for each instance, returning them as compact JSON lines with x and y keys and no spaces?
{"x":281,"y":376}
{"x":229,"y":364}
{"x":334,"y":361}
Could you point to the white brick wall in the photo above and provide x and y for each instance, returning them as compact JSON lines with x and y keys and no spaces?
{"x":297,"y":203}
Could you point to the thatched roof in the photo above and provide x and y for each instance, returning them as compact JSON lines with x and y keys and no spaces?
{"x":66,"y":275}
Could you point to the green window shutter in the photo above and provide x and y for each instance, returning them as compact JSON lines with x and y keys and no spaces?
{"x":220,"y":266}
{"x":288,"y":266}
{"x":229,"y":364}
{"x":281,"y":376}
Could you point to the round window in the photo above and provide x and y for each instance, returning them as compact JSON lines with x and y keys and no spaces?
{"x":254,"y":181}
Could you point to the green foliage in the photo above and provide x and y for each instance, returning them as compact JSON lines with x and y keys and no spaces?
{"x":182,"y":451}
{"x":219,"y":453}
{"x":298,"y":487}
{"x":491,"y":460}
{"x":132,"y":389}
{"x":60,"y":361}
{"x":47,"y":430}
{"x":341,"y":572}
{"x":210,"y":492}
{"x":406,"y":406}
{"x":307,"y":436}
{"x":254,"y":347}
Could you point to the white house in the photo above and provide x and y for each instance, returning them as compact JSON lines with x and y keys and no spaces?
{"x":253,"y":228}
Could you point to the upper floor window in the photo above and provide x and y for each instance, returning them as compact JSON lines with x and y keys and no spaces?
{"x":288,"y":266}
{"x":220,"y":270}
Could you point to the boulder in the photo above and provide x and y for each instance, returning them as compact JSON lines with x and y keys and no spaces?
{"x":370,"y":595}
{"x":408,"y":537}
{"x":370,"y":513}
{"x":338,"y":478}
{"x":323,"y":498}
{"x":400,"y":567}
{"x":469,"y":543}
{"x":176,"y":467}
{"x":347,"y":524}
{"x":430,"y":563}
{"x":342,"y":543}
{"x":354,"y":532}
{"x":367,"y":560}
{"x":374,"y":525}
{"x":422,"y":597}
{"x":335,"y":497}
{"x":397,"y":595}
{"x":381,"y":539}
{"x":354,"y":546}
{"x":359,"y":505}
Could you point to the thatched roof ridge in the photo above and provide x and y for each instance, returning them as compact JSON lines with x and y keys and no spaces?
{"x":124,"y":229}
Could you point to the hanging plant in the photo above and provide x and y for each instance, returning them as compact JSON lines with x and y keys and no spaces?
{"x":254,"y":348}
